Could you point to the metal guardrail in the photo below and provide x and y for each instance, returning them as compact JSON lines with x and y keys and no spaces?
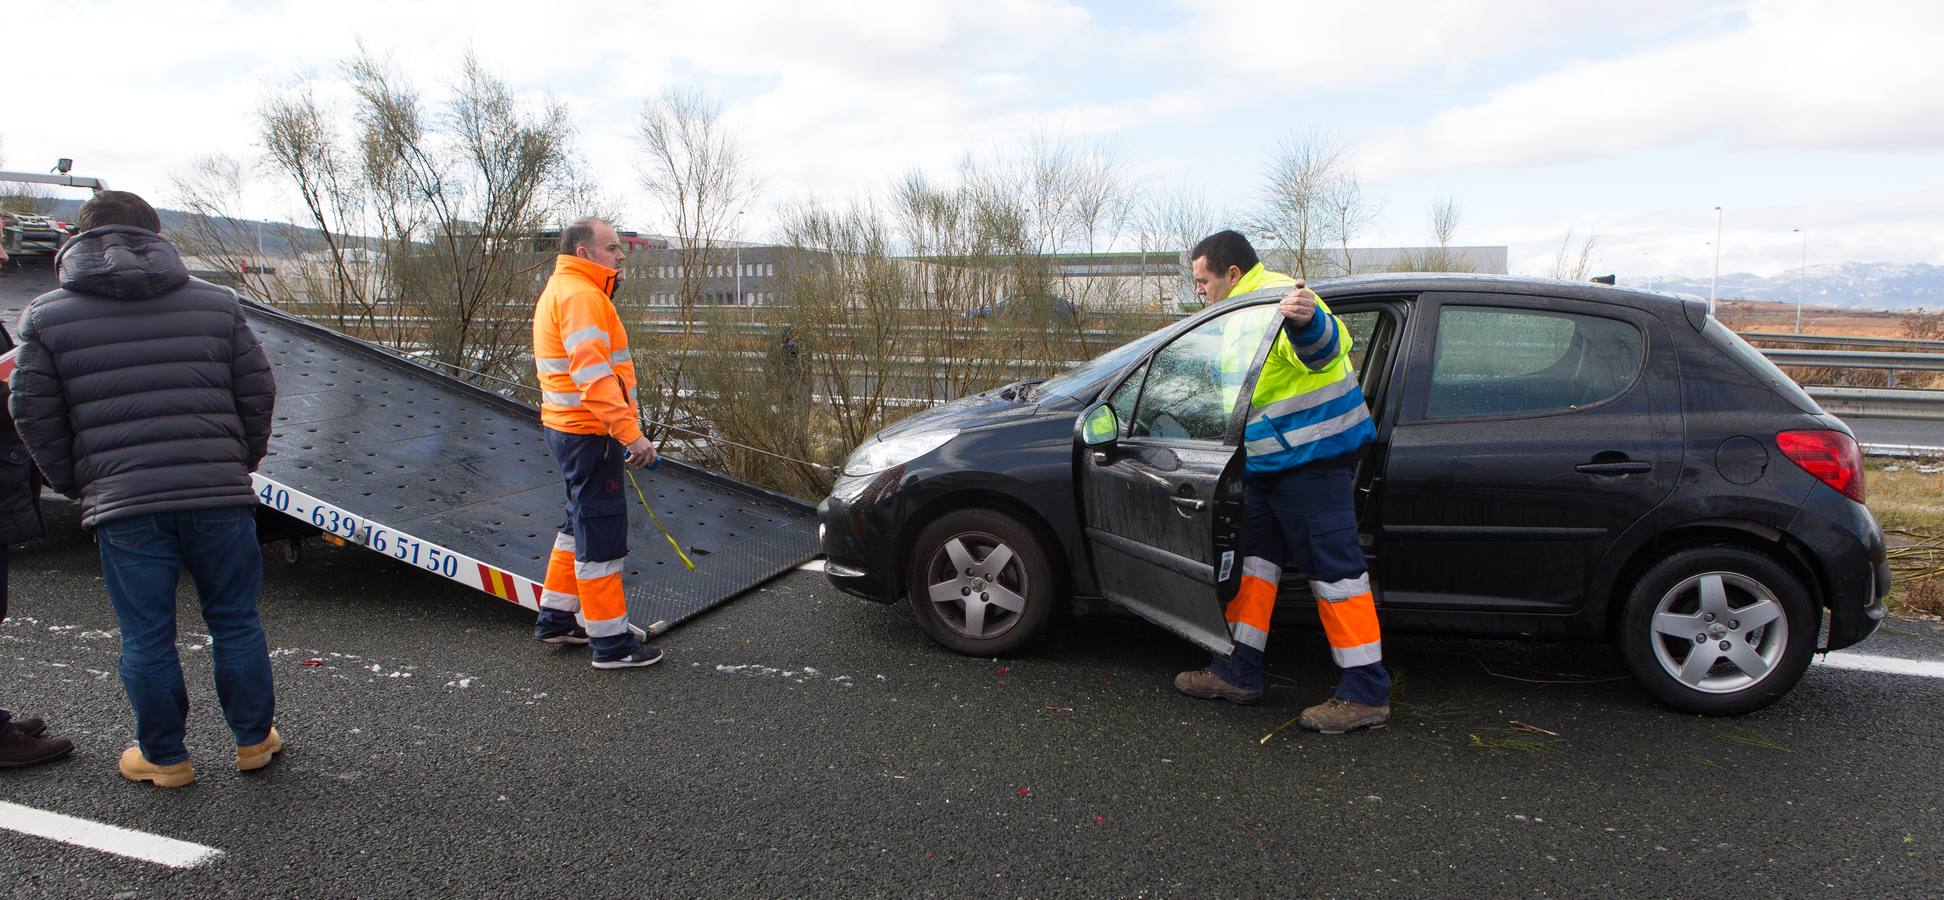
{"x":1886,"y":402}
{"x":1857,"y":359}
{"x":1825,"y":340}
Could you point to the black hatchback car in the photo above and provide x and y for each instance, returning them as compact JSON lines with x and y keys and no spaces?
{"x":1553,"y":460}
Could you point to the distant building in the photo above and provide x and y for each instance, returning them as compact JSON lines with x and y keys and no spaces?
{"x":547,"y":240}
{"x":729,"y":275}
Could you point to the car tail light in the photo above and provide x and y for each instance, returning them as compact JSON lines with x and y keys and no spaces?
{"x":1831,"y":456}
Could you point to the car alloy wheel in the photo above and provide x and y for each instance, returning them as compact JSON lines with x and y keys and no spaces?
{"x":977,"y":585}
{"x":1720,"y":632}
{"x":981,"y":582}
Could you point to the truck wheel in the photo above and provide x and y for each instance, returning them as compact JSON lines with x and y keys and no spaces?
{"x":980,"y":582}
{"x":1719,"y":630}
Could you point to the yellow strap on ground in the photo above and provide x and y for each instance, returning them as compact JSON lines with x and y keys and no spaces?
{"x":658,"y":525}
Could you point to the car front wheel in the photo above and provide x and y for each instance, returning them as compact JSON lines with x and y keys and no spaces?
{"x":981,"y":582}
{"x":1719,"y":631}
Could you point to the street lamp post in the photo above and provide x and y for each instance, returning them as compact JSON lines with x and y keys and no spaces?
{"x":1714,"y":286}
{"x":1801,"y":272}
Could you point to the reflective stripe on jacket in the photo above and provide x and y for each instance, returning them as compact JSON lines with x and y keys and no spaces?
{"x":1307,"y":406}
{"x":587,"y":375}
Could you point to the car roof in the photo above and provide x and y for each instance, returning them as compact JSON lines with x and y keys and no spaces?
{"x":1422,"y":282}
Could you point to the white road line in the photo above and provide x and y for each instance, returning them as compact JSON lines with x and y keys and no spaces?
{"x":815,"y":565}
{"x":106,"y":838}
{"x":1893,"y":665}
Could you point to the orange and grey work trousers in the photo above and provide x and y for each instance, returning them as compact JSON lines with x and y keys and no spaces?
{"x":1307,"y":517}
{"x":584,"y":572}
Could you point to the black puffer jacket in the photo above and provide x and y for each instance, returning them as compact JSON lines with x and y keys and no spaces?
{"x":139,"y":389}
{"x":20,"y":518}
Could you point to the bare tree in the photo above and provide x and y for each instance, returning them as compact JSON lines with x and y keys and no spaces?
{"x":424,"y":214}
{"x":1445,"y":217}
{"x":461,"y":191}
{"x":695,"y":172}
{"x":1571,"y":265}
{"x":211,"y":193}
{"x":1312,"y":201}
{"x":25,"y":199}
{"x":1167,"y":223}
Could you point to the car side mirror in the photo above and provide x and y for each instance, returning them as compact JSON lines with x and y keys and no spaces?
{"x":1099,"y":426}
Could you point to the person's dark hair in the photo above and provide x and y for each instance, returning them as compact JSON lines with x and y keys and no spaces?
{"x":1223,"y":249}
{"x":118,"y":208}
{"x":578,"y":233}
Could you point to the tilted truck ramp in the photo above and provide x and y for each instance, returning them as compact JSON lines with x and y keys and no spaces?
{"x":456,"y":480}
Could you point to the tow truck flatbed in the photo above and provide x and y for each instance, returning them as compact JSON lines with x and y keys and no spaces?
{"x":434,"y":472}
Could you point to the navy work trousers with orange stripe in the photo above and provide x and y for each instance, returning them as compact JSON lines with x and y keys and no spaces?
{"x":584,"y":571}
{"x":1307,"y":517}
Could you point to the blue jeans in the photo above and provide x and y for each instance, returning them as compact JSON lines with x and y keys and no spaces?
{"x":141,"y":560}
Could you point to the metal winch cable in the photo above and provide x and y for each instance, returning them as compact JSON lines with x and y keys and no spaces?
{"x":827,"y":470}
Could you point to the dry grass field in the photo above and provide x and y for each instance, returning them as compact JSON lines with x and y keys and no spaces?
{"x":1908,"y":501}
{"x":1780,"y":318}
{"x":1748,"y":317}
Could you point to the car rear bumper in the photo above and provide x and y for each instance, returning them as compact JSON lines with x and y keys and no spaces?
{"x":1845,"y":540}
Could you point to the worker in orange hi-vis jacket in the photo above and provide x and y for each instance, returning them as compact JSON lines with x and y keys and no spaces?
{"x":592,"y":422}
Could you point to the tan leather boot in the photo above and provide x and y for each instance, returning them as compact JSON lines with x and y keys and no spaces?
{"x":136,"y":767}
{"x":256,"y":756}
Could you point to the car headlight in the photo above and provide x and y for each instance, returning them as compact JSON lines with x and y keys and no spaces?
{"x":877,"y":455}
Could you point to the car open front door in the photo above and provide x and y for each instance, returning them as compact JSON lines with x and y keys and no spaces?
{"x":1161,"y":477}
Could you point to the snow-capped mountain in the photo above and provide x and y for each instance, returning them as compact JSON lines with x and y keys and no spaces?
{"x":1850,"y":284}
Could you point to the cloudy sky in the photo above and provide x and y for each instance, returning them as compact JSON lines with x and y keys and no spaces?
{"x":1631,"y":121}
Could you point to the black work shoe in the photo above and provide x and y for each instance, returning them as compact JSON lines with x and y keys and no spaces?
{"x":31,"y":726}
{"x":18,"y":748}
{"x":1204,"y":684}
{"x":570,"y":635}
{"x":644,"y":656}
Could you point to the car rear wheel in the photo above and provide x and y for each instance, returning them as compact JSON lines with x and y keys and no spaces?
{"x":1719,"y":631}
{"x":981,"y":582}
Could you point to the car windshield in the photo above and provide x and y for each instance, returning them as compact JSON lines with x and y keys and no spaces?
{"x":1093,"y":370}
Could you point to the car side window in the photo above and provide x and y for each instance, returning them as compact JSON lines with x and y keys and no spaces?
{"x":1192,"y":383}
{"x":1362,"y":325}
{"x":1492,"y":361}
{"x":1123,"y":398}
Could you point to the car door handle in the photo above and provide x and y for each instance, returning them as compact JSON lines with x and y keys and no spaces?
{"x":1630,"y":467}
{"x":1190,"y":503}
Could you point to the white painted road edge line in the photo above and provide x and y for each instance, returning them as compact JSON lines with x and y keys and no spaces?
{"x":1894,"y":665}
{"x":815,"y":565}
{"x":106,"y":838}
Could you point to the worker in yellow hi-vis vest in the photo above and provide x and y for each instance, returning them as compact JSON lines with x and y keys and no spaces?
{"x":592,"y":422}
{"x":1307,"y":426}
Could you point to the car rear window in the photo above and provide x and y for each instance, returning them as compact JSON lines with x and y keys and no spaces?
{"x":1732,"y":346}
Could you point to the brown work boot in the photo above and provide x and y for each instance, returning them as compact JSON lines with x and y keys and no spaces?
{"x":256,"y":756}
{"x":19,"y":749}
{"x":136,"y":767}
{"x":1335,"y":716}
{"x":1206,"y":685}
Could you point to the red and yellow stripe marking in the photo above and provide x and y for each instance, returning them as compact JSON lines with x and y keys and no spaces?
{"x":497,"y":583}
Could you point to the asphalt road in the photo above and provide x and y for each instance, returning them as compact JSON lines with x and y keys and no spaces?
{"x":800,"y":742}
{"x":1901,"y":432}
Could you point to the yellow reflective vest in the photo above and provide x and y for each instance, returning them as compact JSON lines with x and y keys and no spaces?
{"x":1307,"y":406}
